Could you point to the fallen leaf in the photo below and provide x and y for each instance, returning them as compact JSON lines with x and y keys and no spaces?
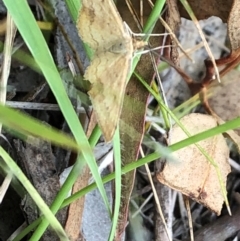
{"x":191,"y":173}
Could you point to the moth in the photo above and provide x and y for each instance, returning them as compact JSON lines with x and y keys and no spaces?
{"x":101,"y":27}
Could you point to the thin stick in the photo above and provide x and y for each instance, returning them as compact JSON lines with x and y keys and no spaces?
{"x":7,"y":53}
{"x":5,"y":185}
{"x":156,"y":196}
{"x":171,"y":32}
{"x":8,"y":45}
{"x":194,"y":19}
{"x":187,"y":203}
{"x":37,"y":106}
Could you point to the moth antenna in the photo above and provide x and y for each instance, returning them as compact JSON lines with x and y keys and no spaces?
{"x":142,"y":34}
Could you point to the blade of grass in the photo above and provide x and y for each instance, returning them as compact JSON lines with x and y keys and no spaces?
{"x":118,"y":176}
{"x":34,"y":194}
{"x":70,"y":180}
{"x":23,"y":57}
{"x":73,"y":7}
{"x":202,"y":150}
{"x":73,"y":175}
{"x":153,"y":17}
{"x":129,"y":179}
{"x":232,"y":124}
{"x":148,"y":27}
{"x":29,"y":30}
{"x":93,"y":139}
{"x":27,"y":125}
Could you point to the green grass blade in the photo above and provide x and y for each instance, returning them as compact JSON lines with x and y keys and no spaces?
{"x":118,"y":175}
{"x":148,"y":27}
{"x":24,"y":58}
{"x":34,"y":194}
{"x":30,"y":32}
{"x":73,"y":7}
{"x":27,"y":125}
{"x":152,"y":157}
{"x":154,"y":16}
{"x":232,"y":124}
{"x":93,"y":141}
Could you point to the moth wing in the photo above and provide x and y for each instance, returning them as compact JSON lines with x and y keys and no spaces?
{"x":108,"y":74}
{"x":99,"y":24}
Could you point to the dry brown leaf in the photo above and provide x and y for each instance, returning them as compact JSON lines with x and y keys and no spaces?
{"x":191,"y":173}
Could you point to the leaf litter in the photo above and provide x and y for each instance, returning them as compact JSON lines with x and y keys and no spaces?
{"x":192,"y":174}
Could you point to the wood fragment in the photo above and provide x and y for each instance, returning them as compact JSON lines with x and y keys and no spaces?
{"x":38,"y":163}
{"x":75,"y":211}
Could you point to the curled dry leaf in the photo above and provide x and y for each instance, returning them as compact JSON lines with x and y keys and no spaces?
{"x":191,"y":173}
